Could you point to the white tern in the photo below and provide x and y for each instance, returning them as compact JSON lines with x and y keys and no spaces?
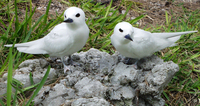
{"x":63,"y":40}
{"x":137,"y":43}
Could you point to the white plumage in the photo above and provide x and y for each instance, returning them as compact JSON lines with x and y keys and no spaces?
{"x":64,"y":39}
{"x":137,"y":43}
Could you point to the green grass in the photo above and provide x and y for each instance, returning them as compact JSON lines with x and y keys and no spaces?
{"x":9,"y":81}
{"x":186,"y":82}
{"x":101,"y":20}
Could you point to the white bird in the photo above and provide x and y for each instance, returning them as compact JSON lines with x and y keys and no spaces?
{"x":137,"y":43}
{"x":63,"y":40}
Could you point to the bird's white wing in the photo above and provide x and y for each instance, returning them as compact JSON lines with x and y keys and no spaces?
{"x":141,"y":36}
{"x":142,"y":44}
{"x":58,"y":42}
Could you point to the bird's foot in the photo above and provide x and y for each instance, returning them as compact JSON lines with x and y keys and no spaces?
{"x":135,"y":66}
{"x":131,"y":61}
{"x":53,"y":59}
{"x":126,"y":61}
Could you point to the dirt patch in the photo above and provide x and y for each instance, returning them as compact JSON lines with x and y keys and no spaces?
{"x":155,"y":10}
{"x":41,"y":5}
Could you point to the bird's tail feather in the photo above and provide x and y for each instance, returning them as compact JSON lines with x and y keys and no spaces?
{"x":173,"y":34}
{"x":27,"y":44}
{"x":174,"y":39}
{"x":32,"y":47}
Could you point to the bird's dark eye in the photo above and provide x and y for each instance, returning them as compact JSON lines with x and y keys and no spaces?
{"x":77,"y":15}
{"x":65,"y":16}
{"x":120,"y":30}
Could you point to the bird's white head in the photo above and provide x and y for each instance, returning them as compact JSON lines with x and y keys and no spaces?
{"x":124,"y":31}
{"x":74,"y":15}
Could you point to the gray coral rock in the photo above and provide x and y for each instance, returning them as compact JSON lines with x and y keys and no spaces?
{"x":100,"y":79}
{"x":89,"y":88}
{"x":36,"y":66}
{"x":95,"y":101}
{"x":38,"y":69}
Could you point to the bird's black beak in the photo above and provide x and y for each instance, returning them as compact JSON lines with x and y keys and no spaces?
{"x":128,"y":37}
{"x":69,"y":20}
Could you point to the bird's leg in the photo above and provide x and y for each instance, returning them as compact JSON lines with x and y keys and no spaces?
{"x":53,"y":59}
{"x":126,"y":61}
{"x":131,"y":61}
{"x":135,"y":64}
{"x":65,"y":66}
{"x":70,"y":60}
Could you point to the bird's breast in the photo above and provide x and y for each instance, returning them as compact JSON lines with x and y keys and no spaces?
{"x":79,"y":40}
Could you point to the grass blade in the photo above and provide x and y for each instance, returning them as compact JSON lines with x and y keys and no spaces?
{"x":31,"y":78}
{"x":137,"y":19}
{"x":30,"y":87}
{"x":166,"y":95}
{"x":16,"y":17}
{"x":47,"y":12}
{"x":1,"y":21}
{"x":30,"y":23}
{"x":19,"y":86}
{"x":2,"y":103}
{"x":104,"y":20}
{"x":8,"y":12}
{"x":39,"y":20}
{"x":25,"y":22}
{"x":3,"y":67}
{"x":39,"y":86}
{"x":108,"y":8}
{"x":8,"y":29}
{"x":15,"y":98}
{"x":9,"y":80}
